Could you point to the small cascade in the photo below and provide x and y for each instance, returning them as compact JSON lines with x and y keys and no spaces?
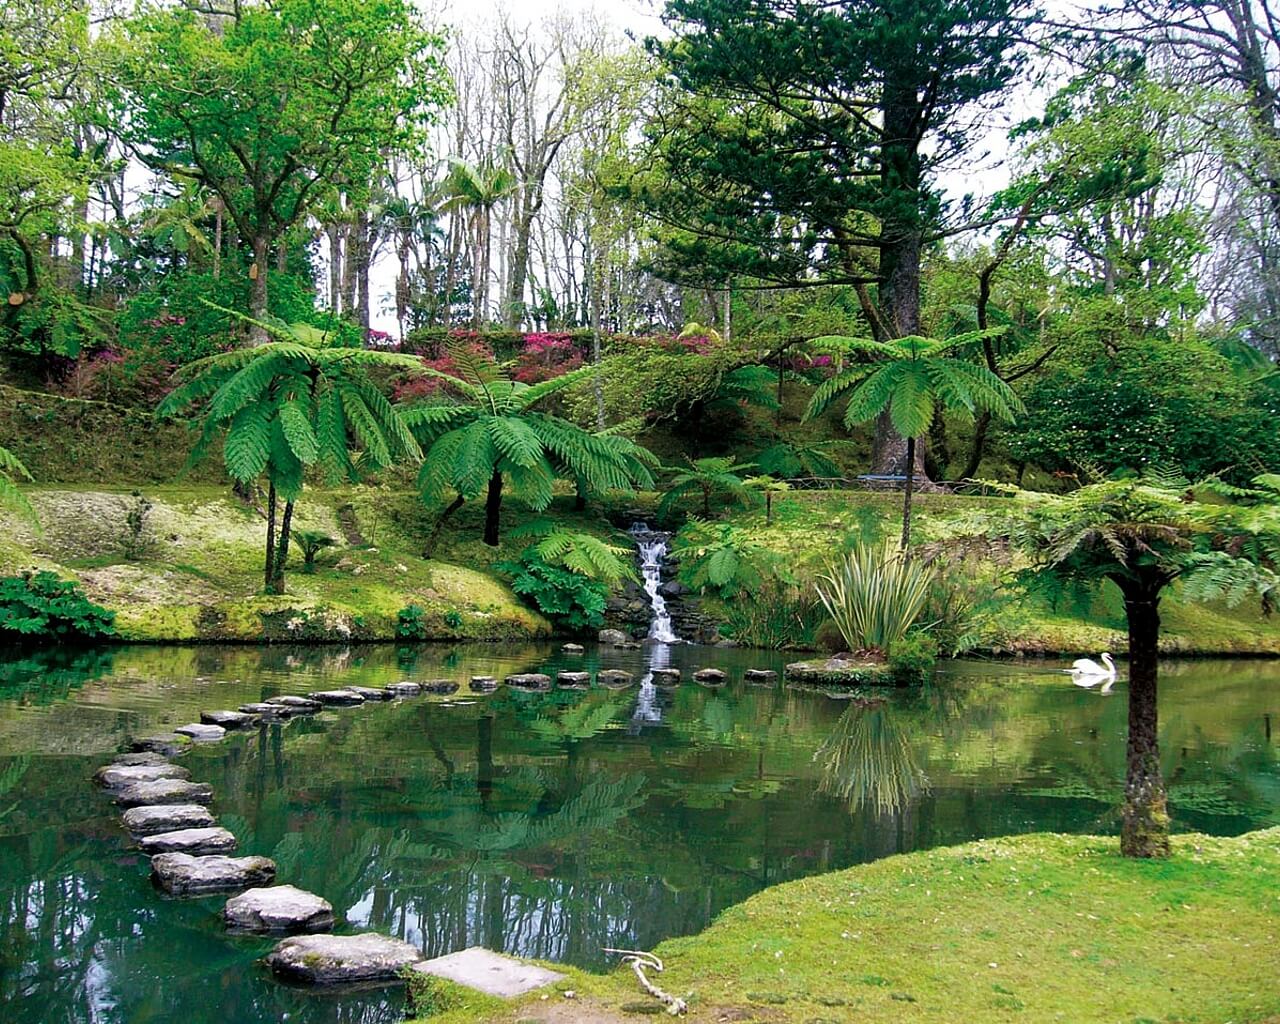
{"x":653,"y":549}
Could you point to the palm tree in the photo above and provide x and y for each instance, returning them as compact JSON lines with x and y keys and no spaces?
{"x":493,"y":434}
{"x":288,"y":405}
{"x":705,"y":477}
{"x":478,"y":188}
{"x":910,"y":376}
{"x":10,"y":495}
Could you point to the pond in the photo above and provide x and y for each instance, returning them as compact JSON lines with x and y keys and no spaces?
{"x":547,"y":825}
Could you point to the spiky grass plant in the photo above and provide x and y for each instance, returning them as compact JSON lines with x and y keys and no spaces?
{"x":874,"y":594}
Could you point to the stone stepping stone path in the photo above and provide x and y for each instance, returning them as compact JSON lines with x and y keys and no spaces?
{"x":443,"y":687}
{"x":140,"y":758}
{"x":278,"y":908}
{"x":263,"y":711}
{"x":486,"y":971}
{"x":228,"y":719}
{"x":529,"y":681}
{"x":164,"y":791}
{"x":405,"y":689}
{"x":181,"y":874}
{"x":296,"y":705}
{"x":342,"y":959}
{"x":201,"y":732}
{"x":572,"y":649}
{"x":666,"y":677}
{"x":760,"y":676}
{"x":170,"y":744}
{"x":118,"y":776}
{"x":195,"y":841}
{"x":336,"y":698}
{"x":710,"y":677}
{"x":614,"y":679}
{"x":149,"y":821}
{"x":573,"y":680}
{"x":369,"y":693}
{"x":483,"y":684}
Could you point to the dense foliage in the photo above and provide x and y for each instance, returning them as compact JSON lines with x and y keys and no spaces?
{"x":40,"y":606}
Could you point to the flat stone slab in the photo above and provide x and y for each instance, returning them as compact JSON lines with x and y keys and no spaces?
{"x":573,"y":680}
{"x":489,"y":972}
{"x":840,"y":672}
{"x":278,"y":908}
{"x":369,"y":692}
{"x":141,"y":757}
{"x":201,"y":733}
{"x":483,"y":684}
{"x":614,"y":678}
{"x":195,"y":841}
{"x":117,"y":776}
{"x":336,"y":698}
{"x":296,"y":704}
{"x":181,"y":874}
{"x":760,"y":676}
{"x":572,"y":648}
{"x":228,"y":719}
{"x":164,"y":791}
{"x":666,"y":677}
{"x":444,"y":687}
{"x":710,"y":676}
{"x":342,"y":959}
{"x":170,"y":744}
{"x":405,"y":689}
{"x":529,"y":681}
{"x":148,"y":821}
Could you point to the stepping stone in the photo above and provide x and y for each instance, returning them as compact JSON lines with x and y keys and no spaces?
{"x":614,"y":679}
{"x":149,"y":821}
{"x":145,"y":757}
{"x":296,"y":705}
{"x":117,"y":776}
{"x":271,"y":712}
{"x":612,"y":636}
{"x":181,"y":874}
{"x":710,"y":676}
{"x":170,"y":744}
{"x":342,"y":959}
{"x":529,"y":681}
{"x":227,"y":719}
{"x":444,"y":687}
{"x":201,"y":733}
{"x":336,"y":698}
{"x":489,"y":972}
{"x":194,"y":841}
{"x":760,"y":676}
{"x":573,"y":680}
{"x":572,"y":649}
{"x":278,"y":908}
{"x":164,"y":791}
{"x":666,"y":677}
{"x":369,"y":692}
{"x":483,"y":684}
{"x":405,"y":689}
{"x":630,"y":645}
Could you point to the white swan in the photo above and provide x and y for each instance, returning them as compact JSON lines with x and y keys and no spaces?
{"x":1087,"y":672}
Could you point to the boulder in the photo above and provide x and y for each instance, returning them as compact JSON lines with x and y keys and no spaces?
{"x":133,"y":760}
{"x":201,"y":733}
{"x":157,"y":818}
{"x":666,"y":677}
{"x":483,"y":684}
{"x":760,"y":676}
{"x":227,"y":719}
{"x":117,"y":776}
{"x":336,"y":698}
{"x":278,"y":908}
{"x":369,"y":692}
{"x":169,"y":744}
{"x":573,"y":680}
{"x":195,"y":841}
{"x":342,"y":959}
{"x":612,"y":636}
{"x":614,"y":679}
{"x":529,"y":681}
{"x":404,"y":689}
{"x":710,"y":676}
{"x":181,"y":874}
{"x":572,"y":649}
{"x":164,"y":791}
{"x":444,"y":687}
{"x":296,"y":704}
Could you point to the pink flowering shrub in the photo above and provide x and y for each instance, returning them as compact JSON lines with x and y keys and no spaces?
{"x":411,"y":389}
{"x":545,"y":356}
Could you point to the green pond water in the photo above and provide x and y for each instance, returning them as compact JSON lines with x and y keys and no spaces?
{"x":548,"y":825}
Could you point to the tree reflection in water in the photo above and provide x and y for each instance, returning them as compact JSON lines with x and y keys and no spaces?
{"x":867,"y":761}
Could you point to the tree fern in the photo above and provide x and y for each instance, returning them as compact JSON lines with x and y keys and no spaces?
{"x":10,"y":494}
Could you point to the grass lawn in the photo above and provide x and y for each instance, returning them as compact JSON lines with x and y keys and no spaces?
{"x":1031,"y":928}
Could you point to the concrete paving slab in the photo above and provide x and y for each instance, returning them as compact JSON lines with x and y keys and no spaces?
{"x":486,"y":971}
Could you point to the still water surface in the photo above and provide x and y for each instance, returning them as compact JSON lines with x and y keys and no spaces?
{"x":547,"y":825}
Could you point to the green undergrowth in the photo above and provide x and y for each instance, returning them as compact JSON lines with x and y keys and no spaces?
{"x":1028,"y":929}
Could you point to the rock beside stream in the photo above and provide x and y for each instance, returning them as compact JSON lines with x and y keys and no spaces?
{"x":278,"y":908}
{"x":342,"y":959}
{"x":181,"y":874}
{"x":195,"y":841}
{"x":118,"y":776}
{"x":147,"y":821}
{"x":164,"y":791}
{"x":612,"y":636}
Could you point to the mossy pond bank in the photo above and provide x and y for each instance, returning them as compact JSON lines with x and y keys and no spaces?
{"x":545,"y":824}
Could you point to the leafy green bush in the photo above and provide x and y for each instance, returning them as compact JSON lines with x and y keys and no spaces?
{"x":312,"y":542}
{"x":781,"y":615}
{"x":721,"y":559}
{"x":569,"y":599}
{"x":965,"y":609}
{"x":42,"y":605}
{"x":411,"y":623}
{"x":913,"y":657}
{"x":874,"y":595}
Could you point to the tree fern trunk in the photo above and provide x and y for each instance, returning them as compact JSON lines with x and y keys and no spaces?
{"x":906,"y":500}
{"x":1145,"y":818}
{"x":282,"y":551}
{"x":454,"y":505}
{"x":270,"y":567}
{"x":493,"y":509}
{"x":979,"y":446}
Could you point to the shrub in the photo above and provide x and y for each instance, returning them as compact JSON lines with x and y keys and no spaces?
{"x":137,"y":534}
{"x":781,"y":615}
{"x":411,"y":623}
{"x":874,"y":595}
{"x":42,"y":605}
{"x":912,"y":657}
{"x":722,"y":559}
{"x":964,"y":610}
{"x":311,"y":542}
{"x":453,"y":618}
{"x":569,"y":599}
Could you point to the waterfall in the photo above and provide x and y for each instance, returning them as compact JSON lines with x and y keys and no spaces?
{"x":653,"y":549}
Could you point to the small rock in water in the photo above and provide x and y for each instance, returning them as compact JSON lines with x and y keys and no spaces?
{"x":170,"y":744}
{"x":572,"y":648}
{"x":195,"y":841}
{"x":201,"y":733}
{"x":299,"y":705}
{"x":573,"y":680}
{"x":270,"y":712}
{"x":152,"y":820}
{"x":612,"y":636}
{"x":614,"y":679}
{"x":369,"y":692}
{"x":405,"y":689}
{"x":278,"y":908}
{"x":143,"y":757}
{"x":629,"y":645}
{"x":666,"y":677}
{"x":483,"y":684}
{"x":529,"y":681}
{"x":760,"y":676}
{"x":164,"y":791}
{"x":444,"y":687}
{"x":336,"y":698}
{"x":342,"y":959}
{"x":227,"y":719}
{"x":116,"y":776}
{"x":710,"y":676}
{"x":181,"y":874}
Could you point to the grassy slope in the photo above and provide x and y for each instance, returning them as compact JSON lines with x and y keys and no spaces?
{"x":1029,"y":929}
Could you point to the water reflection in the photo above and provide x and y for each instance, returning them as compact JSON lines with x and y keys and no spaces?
{"x":868,"y":762}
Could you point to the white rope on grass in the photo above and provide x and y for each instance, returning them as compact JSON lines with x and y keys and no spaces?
{"x":639,"y":961}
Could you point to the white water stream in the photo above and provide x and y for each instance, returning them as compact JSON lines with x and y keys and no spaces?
{"x":653,"y":549}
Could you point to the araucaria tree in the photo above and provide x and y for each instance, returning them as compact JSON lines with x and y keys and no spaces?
{"x":1142,"y":536}
{"x":492,"y":432}
{"x":267,"y":104}
{"x":288,"y":405}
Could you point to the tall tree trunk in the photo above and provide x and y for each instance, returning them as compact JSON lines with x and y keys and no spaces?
{"x":910,"y":463}
{"x":518,"y":273}
{"x":597,"y":384}
{"x":979,"y":448}
{"x":334,"y":233}
{"x":1145,"y":818}
{"x":436,"y":530}
{"x":219,"y":212}
{"x":493,"y":509}
{"x":282,"y":551}
{"x":364,"y":257}
{"x":258,"y":286}
{"x":268,"y":573}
